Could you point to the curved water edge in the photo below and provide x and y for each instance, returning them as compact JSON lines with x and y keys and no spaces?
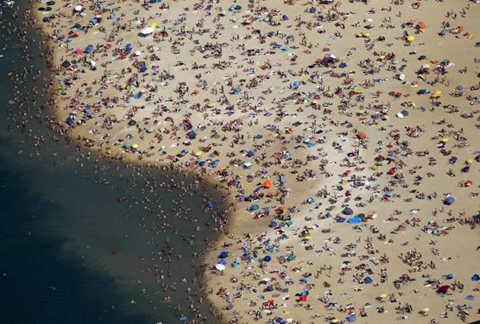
{"x":39,"y":150}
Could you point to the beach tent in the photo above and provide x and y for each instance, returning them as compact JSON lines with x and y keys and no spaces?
{"x":354,"y":220}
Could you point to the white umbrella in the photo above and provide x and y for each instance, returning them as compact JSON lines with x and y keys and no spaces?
{"x":220,"y":267}
{"x":147,"y":31}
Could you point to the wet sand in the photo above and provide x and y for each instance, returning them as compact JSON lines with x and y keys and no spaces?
{"x":345,"y":135}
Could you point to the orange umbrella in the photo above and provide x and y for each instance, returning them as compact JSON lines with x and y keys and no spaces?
{"x":267,"y":184}
{"x":362,"y":135}
{"x":421,"y":25}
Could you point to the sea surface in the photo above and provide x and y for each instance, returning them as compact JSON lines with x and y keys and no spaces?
{"x":82,"y":239}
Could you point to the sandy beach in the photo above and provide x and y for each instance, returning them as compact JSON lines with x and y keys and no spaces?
{"x":345,"y":135}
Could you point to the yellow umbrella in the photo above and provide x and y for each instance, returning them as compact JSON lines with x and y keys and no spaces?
{"x":436,"y":94}
{"x":198,"y":153}
{"x":469,"y":161}
{"x":358,"y":90}
{"x":410,"y":38}
{"x":444,"y":140}
{"x":135,"y":145}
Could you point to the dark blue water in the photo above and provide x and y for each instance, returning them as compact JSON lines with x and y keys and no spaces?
{"x":84,"y":240}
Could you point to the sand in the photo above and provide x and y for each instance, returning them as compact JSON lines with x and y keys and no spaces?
{"x":338,"y":130}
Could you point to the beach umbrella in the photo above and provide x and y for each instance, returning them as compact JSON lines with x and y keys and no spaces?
{"x":254,"y":207}
{"x":367,"y":280}
{"x":339,"y":219}
{"x":183,"y":318}
{"x":211,"y":204}
{"x":347,"y":211}
{"x":436,"y":94}
{"x":443,"y":289}
{"x":249,"y":153}
{"x":267,"y":258}
{"x":421,"y":25}
{"x":247,"y":165}
{"x":351,"y":318}
{"x":191,"y":134}
{"x":220,"y":267}
{"x":267,"y":184}
{"x":223,"y":255}
{"x":147,"y":31}
{"x":89,"y":49}
{"x":449,"y":200}
{"x":78,"y":8}
{"x":66,"y":64}
{"x":362,"y":135}
{"x":476,"y":277}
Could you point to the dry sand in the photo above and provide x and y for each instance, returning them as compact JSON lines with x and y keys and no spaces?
{"x":299,"y":113}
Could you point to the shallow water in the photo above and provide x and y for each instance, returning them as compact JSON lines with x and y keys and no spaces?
{"x":86,"y":240}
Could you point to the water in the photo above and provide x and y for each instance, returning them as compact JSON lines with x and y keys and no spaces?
{"x":85,"y":240}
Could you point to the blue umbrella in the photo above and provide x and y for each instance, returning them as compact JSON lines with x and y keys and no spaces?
{"x":367,"y":280}
{"x":191,"y":134}
{"x":89,"y":49}
{"x":267,"y":258}
{"x":347,"y":211}
{"x":223,"y":255}
{"x":210,"y":204}
{"x":476,"y":277}
{"x":449,"y":200}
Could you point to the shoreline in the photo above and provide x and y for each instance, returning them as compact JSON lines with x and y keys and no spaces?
{"x":235,"y":228}
{"x":129,"y":160}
